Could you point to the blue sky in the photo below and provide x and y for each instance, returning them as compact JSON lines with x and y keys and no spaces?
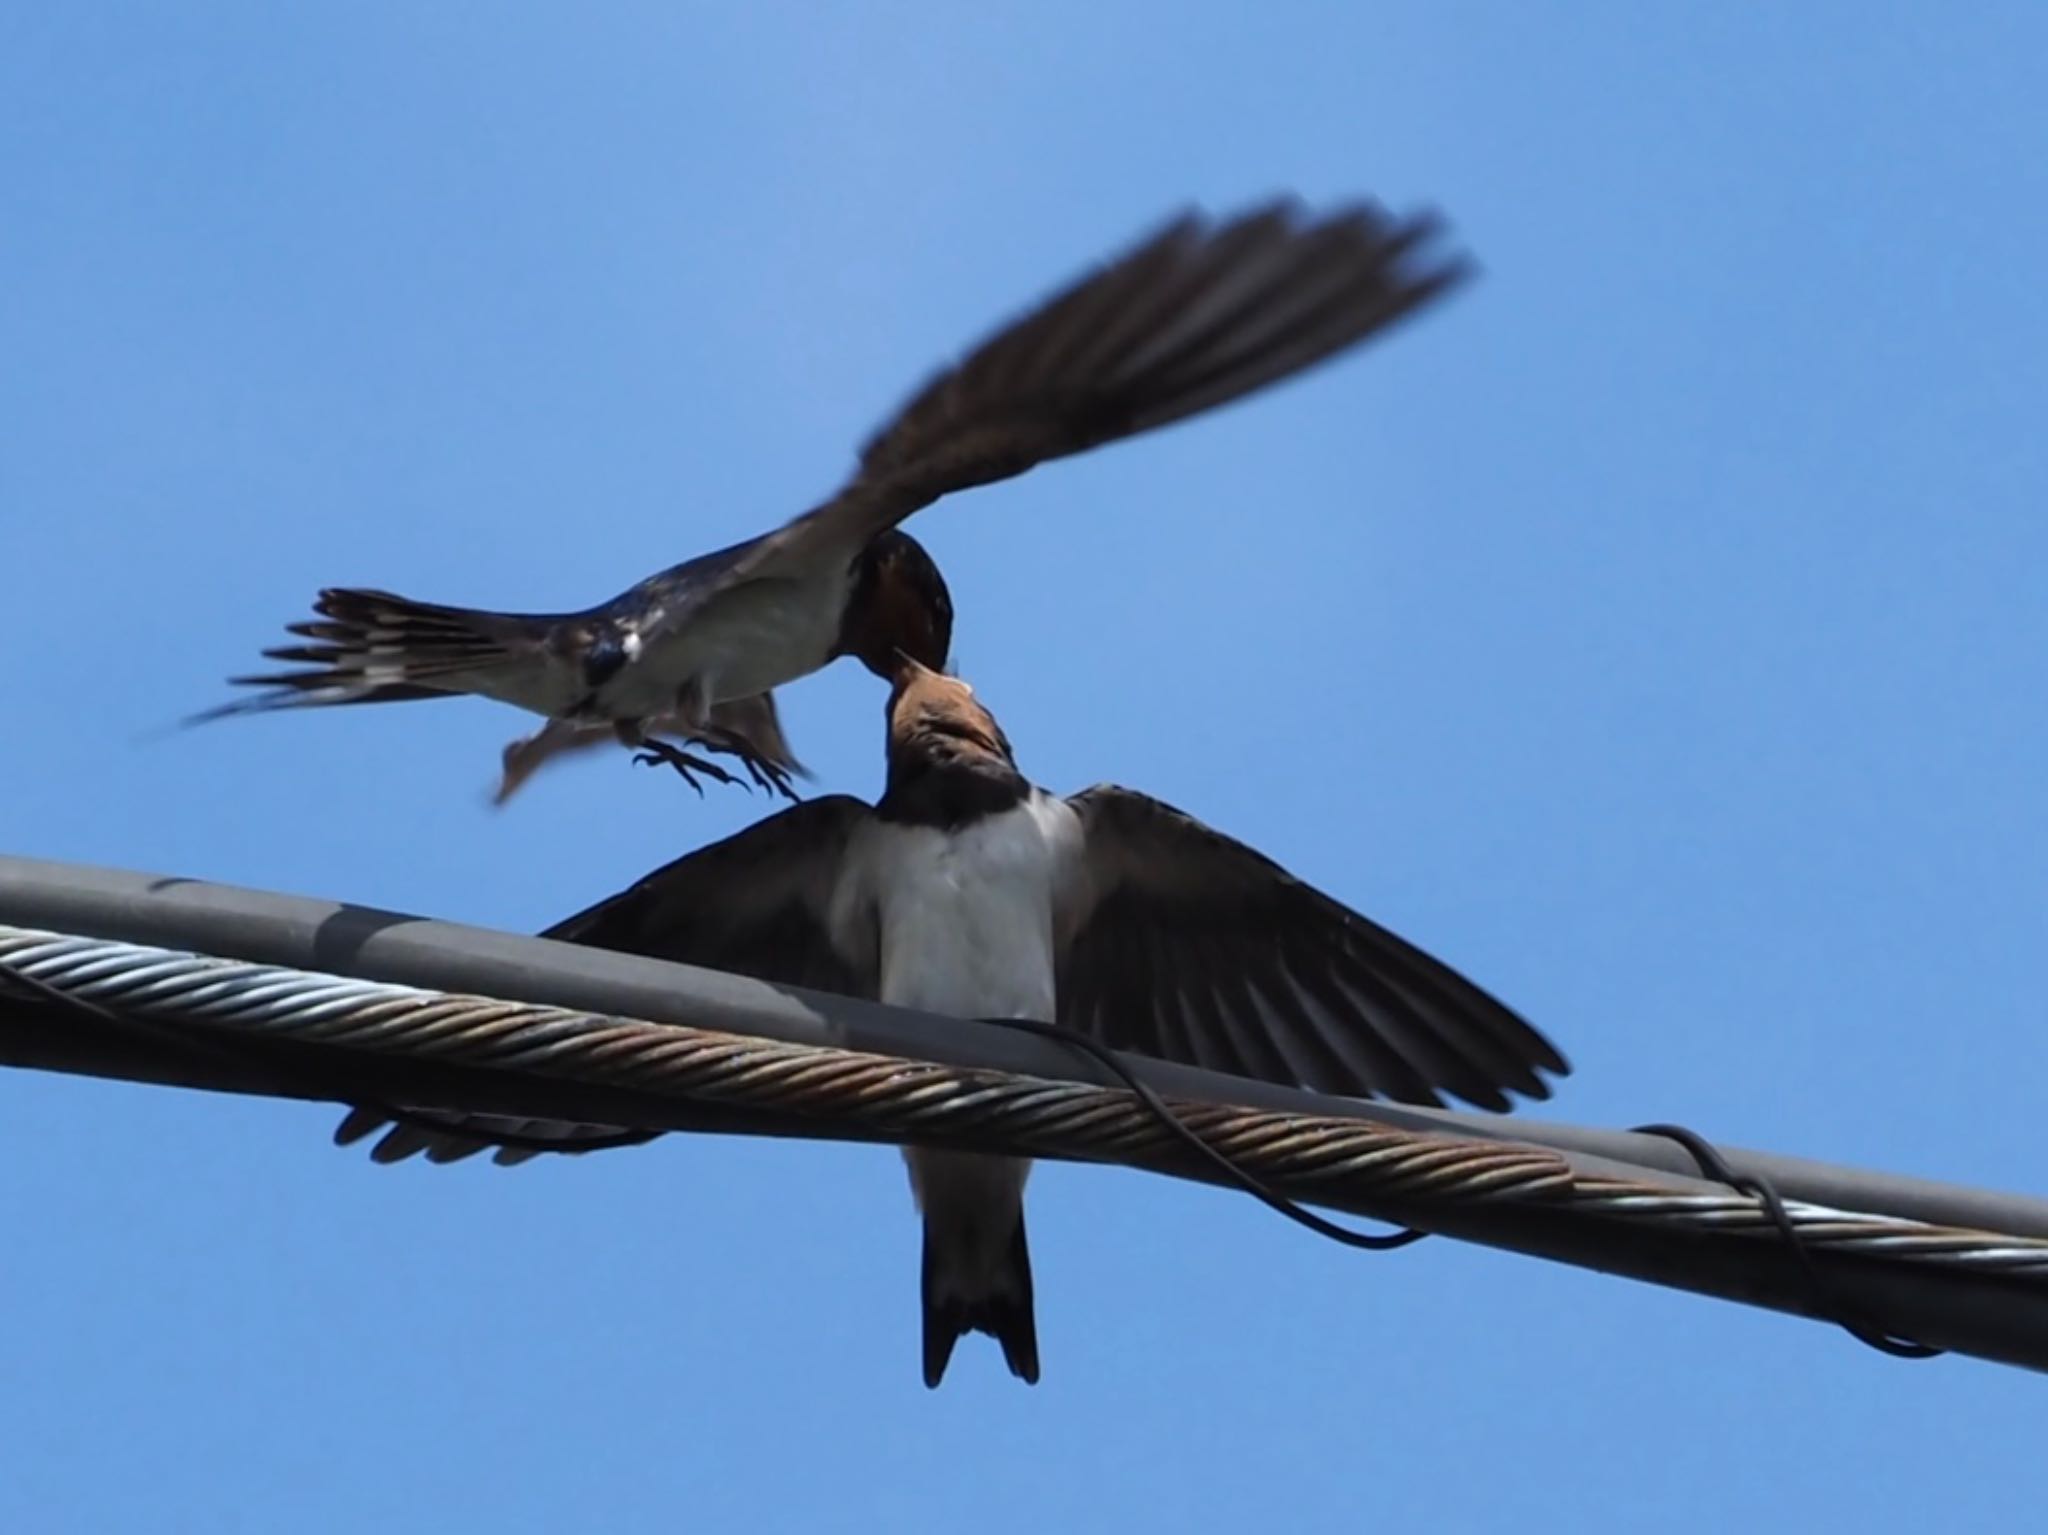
{"x":1655,"y":631}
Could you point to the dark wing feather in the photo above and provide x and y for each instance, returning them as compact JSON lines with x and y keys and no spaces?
{"x":1196,"y":316}
{"x":451,"y":1137}
{"x":1181,"y":943}
{"x":756,"y":904}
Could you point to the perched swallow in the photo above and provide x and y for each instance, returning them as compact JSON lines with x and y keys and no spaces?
{"x":1200,"y":314}
{"x":753,"y":720}
{"x":968,"y":891}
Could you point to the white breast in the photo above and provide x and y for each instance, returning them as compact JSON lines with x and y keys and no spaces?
{"x":966,"y":916}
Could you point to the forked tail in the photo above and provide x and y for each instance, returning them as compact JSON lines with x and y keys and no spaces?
{"x":377,"y":647}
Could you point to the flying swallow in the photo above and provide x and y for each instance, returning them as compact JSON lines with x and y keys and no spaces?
{"x":967,"y":891}
{"x":1198,"y":315}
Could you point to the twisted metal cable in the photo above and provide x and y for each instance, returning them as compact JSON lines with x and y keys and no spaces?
{"x":1400,"y":1172}
{"x":901,"y":1099}
{"x":1820,"y":1227}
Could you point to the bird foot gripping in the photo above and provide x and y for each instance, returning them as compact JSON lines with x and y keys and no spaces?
{"x":652,"y":751}
{"x":764,"y":771}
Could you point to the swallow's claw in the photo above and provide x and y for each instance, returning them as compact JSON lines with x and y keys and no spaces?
{"x":652,"y":752}
{"x":766,"y":772}
{"x":655,"y":759}
{"x":770,"y":776}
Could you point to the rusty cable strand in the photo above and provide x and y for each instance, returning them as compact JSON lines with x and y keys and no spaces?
{"x":903,"y":1098}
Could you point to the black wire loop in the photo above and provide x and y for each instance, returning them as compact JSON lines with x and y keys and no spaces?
{"x":1826,"y":1302}
{"x":1250,"y":1182}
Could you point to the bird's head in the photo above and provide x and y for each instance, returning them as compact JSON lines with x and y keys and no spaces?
{"x":936,"y":720}
{"x":900,"y":606}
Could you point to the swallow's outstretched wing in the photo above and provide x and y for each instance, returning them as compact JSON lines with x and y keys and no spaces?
{"x":757,"y":904}
{"x":1180,"y":943}
{"x":1198,"y":315}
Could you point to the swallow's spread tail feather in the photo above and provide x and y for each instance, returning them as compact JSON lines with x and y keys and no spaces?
{"x":377,"y":647}
{"x":1000,"y":1306}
